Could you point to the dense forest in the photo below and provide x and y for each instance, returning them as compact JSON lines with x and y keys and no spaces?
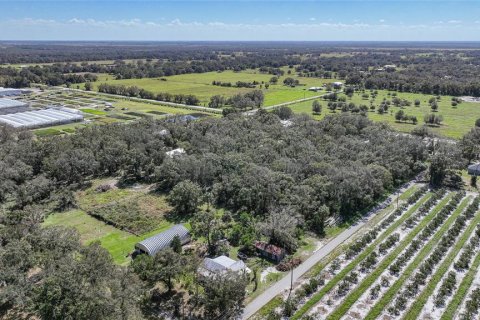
{"x":271,"y":180}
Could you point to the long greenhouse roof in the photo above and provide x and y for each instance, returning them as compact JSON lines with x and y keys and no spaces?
{"x":39,"y":118}
{"x":9,"y":103}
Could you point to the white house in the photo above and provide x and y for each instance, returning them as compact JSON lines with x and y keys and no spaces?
{"x":221,"y":264}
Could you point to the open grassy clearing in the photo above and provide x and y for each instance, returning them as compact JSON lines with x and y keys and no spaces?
{"x":388,"y":296}
{"x":134,"y":209}
{"x":421,"y":300}
{"x":351,"y":265}
{"x":456,"y":121}
{"x":119,"y":243}
{"x":200,"y":85}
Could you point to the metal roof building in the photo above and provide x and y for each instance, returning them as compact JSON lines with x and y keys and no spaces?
{"x":474,"y":169}
{"x":41,"y":118}
{"x":222,"y":264}
{"x":153,"y":245}
{"x":8,"y":106}
{"x":10,"y":92}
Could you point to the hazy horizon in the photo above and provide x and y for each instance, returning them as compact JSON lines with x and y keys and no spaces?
{"x":400,"y":20}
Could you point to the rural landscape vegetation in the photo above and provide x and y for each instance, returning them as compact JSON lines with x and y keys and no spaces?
{"x":239,"y":180}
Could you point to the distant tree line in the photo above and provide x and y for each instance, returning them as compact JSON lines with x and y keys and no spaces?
{"x":134,"y":91}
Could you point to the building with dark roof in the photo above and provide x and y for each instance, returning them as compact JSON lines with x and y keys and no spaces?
{"x":474,"y":169}
{"x":270,"y":251}
{"x":10,"y":92}
{"x":153,"y":245}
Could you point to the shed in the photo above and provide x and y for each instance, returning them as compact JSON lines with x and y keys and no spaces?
{"x":175,"y":152}
{"x":474,"y":169}
{"x":337,"y":84}
{"x":153,"y":245}
{"x":270,"y":251}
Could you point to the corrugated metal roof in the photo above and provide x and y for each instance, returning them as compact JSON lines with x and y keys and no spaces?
{"x":154,"y":244}
{"x":9,"y":103}
{"x":474,"y":169}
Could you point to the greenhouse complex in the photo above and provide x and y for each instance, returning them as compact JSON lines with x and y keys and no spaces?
{"x":41,"y":118}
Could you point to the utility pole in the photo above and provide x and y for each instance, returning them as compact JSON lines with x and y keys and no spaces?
{"x":291,"y":280}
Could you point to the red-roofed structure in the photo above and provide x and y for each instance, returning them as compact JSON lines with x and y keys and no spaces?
{"x":270,"y":251}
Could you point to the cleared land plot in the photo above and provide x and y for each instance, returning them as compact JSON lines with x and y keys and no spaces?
{"x":119,"y":243}
{"x":134,"y":210}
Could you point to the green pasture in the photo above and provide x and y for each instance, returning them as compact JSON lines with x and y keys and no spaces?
{"x":200,"y":85}
{"x":456,"y":121}
{"x":119,"y":243}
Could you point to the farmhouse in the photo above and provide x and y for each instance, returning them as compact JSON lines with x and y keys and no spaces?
{"x":8,"y":106}
{"x":315,"y":89}
{"x":221,"y":264}
{"x":153,"y":245}
{"x":270,"y":251}
{"x":41,"y":118}
{"x":474,"y":169}
{"x":337,"y":84}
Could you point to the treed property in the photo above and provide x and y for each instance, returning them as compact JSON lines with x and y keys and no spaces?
{"x":185,"y":216}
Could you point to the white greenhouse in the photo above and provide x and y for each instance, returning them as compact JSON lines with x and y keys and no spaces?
{"x":41,"y":118}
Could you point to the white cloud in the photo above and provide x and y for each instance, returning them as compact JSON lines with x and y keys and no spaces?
{"x":454,"y":21}
{"x":176,"y":29}
{"x":312,"y":19}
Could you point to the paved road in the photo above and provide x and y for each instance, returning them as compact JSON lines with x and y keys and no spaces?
{"x":284,"y":283}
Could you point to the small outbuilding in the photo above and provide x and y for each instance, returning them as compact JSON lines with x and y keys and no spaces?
{"x":153,"y":245}
{"x":270,"y":251}
{"x":474,"y":170}
{"x":337,"y":84}
{"x":222,"y":264}
{"x":175,"y":152}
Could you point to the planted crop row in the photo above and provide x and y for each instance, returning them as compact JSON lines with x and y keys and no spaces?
{"x":396,"y":267}
{"x":424,"y":250}
{"x":428,"y":266}
{"x":371,"y":235}
{"x":449,"y":284}
{"x":373,"y":276}
{"x":367,"y":249}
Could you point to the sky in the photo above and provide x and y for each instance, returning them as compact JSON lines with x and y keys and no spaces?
{"x":267,"y":20}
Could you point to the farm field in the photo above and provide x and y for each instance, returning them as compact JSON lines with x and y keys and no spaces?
{"x":456,"y":121}
{"x":94,"y":107}
{"x":200,"y":85}
{"x":418,"y":263}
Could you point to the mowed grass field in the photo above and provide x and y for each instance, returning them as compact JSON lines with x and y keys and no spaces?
{"x":118,"y":242}
{"x":456,"y":121}
{"x":200,"y":85}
